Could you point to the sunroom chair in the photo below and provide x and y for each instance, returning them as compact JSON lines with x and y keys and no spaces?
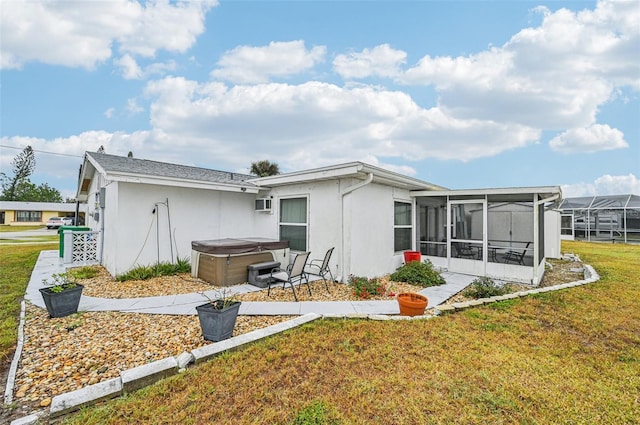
{"x":292,"y":274}
{"x":464,"y":250}
{"x":321,"y":268}
{"x":516,"y":256}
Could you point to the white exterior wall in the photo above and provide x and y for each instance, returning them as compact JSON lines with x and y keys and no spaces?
{"x":323,"y":218}
{"x":359,"y":225}
{"x":552,"y":234}
{"x":370,"y":234}
{"x":134,"y":235}
{"x":93,"y":206}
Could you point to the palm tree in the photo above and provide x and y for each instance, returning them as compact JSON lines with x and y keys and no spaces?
{"x":264,"y":168}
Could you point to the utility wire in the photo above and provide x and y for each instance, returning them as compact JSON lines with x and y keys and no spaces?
{"x":38,"y":151}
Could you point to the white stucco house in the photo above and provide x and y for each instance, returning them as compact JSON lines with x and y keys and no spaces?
{"x":150,"y":211}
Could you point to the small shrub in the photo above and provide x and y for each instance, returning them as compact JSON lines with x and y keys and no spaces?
{"x":165,"y":269}
{"x":60,"y":282}
{"x":183,"y":265}
{"x":137,"y":273}
{"x":418,"y":273}
{"x":221,"y":298}
{"x":159,"y":269}
{"x":366,"y":288}
{"x":86,"y":272}
{"x":484,"y":287}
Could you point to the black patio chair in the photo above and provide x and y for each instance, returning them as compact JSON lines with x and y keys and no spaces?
{"x":293,"y":273}
{"x":516,"y":256}
{"x":321,"y":268}
{"x":464,"y":250}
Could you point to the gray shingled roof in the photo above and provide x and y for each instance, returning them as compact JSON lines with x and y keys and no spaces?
{"x":121,"y":164}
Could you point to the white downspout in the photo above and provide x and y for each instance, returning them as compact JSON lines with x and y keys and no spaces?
{"x":102,"y":205}
{"x":350,"y":189}
{"x":343,"y":193}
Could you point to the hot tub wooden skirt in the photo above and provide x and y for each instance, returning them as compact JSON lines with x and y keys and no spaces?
{"x":224,"y":262}
{"x":230,"y":269}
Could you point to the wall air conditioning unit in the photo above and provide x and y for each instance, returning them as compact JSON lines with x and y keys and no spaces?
{"x":263,"y":204}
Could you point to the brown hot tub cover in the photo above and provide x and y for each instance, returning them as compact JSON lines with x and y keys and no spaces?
{"x":231,"y":246}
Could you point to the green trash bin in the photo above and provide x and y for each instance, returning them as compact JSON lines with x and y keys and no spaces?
{"x":61,"y":230}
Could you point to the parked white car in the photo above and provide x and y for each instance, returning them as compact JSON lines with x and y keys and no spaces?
{"x":55,"y":222}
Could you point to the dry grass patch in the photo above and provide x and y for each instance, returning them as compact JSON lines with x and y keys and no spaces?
{"x":565,"y":357}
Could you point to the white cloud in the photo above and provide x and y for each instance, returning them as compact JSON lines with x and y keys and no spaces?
{"x":64,"y":154}
{"x":588,"y":140}
{"x":604,"y":185}
{"x":133,"y":108}
{"x":315,"y":124}
{"x":109,"y":112}
{"x":164,"y":25}
{"x":130,"y":69}
{"x":554,"y":76}
{"x":84,"y":33}
{"x":382,"y":61}
{"x":248,"y":64}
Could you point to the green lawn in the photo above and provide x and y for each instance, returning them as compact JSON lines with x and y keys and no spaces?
{"x":567,"y":357}
{"x":31,"y":240}
{"x":16,"y":264}
{"x":7,"y":228}
{"x":53,"y":237}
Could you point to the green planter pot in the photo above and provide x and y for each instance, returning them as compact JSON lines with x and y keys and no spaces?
{"x":61,"y":304}
{"x":217,"y":325}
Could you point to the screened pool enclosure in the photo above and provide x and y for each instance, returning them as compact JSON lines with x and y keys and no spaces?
{"x":601,"y":218}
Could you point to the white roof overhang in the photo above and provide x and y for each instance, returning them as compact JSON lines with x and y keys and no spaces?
{"x":187,"y":183}
{"x":87,"y":171}
{"x":357,"y":170}
{"x":539,"y":193}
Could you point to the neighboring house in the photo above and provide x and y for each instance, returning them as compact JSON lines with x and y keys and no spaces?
{"x":151,"y":211}
{"x":15,"y":213}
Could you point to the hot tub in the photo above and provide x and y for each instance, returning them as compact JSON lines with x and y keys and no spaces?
{"x":224,"y":262}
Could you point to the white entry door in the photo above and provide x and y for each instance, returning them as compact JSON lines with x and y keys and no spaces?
{"x":467,"y":245}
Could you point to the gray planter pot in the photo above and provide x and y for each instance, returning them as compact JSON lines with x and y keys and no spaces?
{"x":216,"y":324}
{"x":60,"y":304}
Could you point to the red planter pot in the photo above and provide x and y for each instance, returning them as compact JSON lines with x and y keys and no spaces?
{"x":412,"y":256}
{"x":412,"y":304}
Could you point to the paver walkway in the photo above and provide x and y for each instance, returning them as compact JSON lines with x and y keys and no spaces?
{"x":49,"y":263}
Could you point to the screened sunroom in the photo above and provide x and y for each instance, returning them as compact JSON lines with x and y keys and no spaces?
{"x":499,"y":233}
{"x":601,"y":218}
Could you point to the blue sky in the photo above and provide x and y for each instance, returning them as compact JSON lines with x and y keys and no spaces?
{"x":464,"y":94}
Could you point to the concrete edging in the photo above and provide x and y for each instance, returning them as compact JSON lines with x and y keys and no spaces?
{"x":590,"y":276}
{"x":11,"y":378}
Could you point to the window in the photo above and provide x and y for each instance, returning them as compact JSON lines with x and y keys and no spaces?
{"x":293,"y":223}
{"x":401,"y":226}
{"x":29,"y":216}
